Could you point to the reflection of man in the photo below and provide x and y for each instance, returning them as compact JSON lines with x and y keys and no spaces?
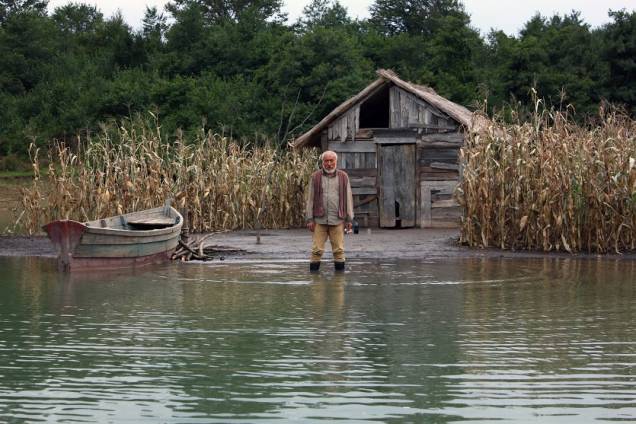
{"x":329,"y":210}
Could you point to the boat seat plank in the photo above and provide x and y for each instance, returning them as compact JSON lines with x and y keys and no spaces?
{"x":159,"y":220}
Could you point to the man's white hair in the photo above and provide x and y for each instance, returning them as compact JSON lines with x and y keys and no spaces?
{"x":328,"y":152}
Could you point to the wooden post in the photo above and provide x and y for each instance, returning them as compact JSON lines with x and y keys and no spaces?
{"x":261,"y":205}
{"x":425,"y":205}
{"x":185,"y":229}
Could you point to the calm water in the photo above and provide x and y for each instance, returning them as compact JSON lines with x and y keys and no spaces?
{"x":465,"y":340}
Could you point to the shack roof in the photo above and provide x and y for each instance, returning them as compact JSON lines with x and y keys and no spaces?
{"x":458,"y":112}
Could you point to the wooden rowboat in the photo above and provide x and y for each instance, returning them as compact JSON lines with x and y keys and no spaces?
{"x":132,"y":239}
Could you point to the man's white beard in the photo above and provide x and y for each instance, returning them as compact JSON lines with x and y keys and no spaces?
{"x":330,"y":171}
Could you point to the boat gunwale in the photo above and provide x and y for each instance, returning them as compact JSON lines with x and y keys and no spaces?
{"x":132,"y":233}
{"x":91,"y":226}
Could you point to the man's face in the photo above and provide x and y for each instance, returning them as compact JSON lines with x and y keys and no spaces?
{"x":329,"y":163}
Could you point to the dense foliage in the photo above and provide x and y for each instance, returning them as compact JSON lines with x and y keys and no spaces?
{"x":239,"y":69}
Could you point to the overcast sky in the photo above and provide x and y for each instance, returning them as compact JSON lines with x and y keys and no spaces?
{"x":508,"y":16}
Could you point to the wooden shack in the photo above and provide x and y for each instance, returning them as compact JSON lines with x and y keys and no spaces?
{"x":399,"y":142}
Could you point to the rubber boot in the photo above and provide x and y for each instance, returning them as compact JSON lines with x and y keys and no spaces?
{"x":340,"y":266}
{"x":314,"y":266}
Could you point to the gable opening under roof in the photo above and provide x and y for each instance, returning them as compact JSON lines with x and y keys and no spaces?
{"x":375,"y":110}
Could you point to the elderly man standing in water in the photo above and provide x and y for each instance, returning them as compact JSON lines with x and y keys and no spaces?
{"x":329,"y":211}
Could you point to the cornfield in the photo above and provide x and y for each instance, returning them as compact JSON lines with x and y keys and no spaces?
{"x":551,"y":185}
{"x":222,"y":185}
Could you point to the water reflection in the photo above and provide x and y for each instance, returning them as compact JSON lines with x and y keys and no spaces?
{"x":562,"y":342}
{"x":477,"y":339}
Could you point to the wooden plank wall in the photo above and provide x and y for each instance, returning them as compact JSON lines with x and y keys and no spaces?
{"x":437,"y":158}
{"x":408,"y":111}
{"x":438,"y":172}
{"x":345,"y":126}
{"x":396,"y":183}
{"x":437,"y":205}
{"x":365,"y":198}
{"x":358,"y":159}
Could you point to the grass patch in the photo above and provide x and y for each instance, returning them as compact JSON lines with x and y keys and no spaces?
{"x":16,"y":174}
{"x":8,"y":175}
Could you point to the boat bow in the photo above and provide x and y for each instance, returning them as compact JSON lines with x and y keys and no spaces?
{"x":65,"y":235}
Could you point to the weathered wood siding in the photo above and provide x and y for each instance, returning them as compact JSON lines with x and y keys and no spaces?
{"x":438,"y":175}
{"x":438,"y":156}
{"x":345,"y":126}
{"x":396,"y":183}
{"x":432,"y":159}
{"x":438,"y":208}
{"x":408,"y":111}
{"x":358,"y":158}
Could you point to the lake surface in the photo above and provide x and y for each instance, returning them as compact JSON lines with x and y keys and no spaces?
{"x":478,"y":340}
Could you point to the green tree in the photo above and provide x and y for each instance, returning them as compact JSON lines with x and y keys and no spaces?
{"x":620,"y":55}
{"x":226,"y":48}
{"x":184,"y":42}
{"x":77,"y":18}
{"x":415,"y":17}
{"x":154,"y":27}
{"x":558,"y":57}
{"x":78,"y":27}
{"x":428,"y":42}
{"x":117,"y":47}
{"x":314,"y":72}
{"x":218,"y":11}
{"x":324,"y":13}
{"x":26,"y":48}
{"x":12,"y":7}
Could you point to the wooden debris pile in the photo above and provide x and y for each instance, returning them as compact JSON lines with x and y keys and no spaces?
{"x":200,"y":249}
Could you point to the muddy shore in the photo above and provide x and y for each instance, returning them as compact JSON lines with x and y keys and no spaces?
{"x":296,"y":243}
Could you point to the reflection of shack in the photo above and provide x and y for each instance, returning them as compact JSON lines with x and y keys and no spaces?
{"x":399,"y":142}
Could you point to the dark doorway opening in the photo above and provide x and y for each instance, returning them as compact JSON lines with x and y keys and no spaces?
{"x":374,"y":112}
{"x":398,"y":220}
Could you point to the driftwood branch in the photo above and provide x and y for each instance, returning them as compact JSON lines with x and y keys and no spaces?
{"x":199,"y":249}
{"x":288,"y":131}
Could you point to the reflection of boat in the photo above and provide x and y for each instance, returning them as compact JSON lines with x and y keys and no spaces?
{"x":132,"y":239}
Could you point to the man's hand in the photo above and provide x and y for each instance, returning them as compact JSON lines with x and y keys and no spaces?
{"x":311,"y":225}
{"x":348,"y":226}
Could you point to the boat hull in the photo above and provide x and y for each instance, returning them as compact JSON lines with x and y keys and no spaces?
{"x":92,"y":263}
{"x":112,"y":243}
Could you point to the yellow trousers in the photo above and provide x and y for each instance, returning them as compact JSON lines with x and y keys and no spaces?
{"x":335,"y":233}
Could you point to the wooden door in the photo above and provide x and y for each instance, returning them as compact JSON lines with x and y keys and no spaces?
{"x":396,"y":180}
